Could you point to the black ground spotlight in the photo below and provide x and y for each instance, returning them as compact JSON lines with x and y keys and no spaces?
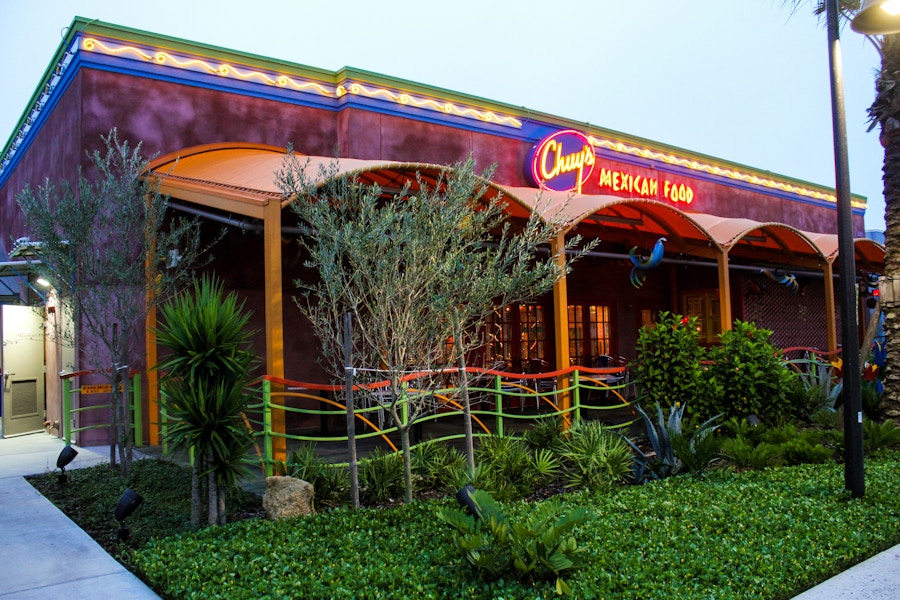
{"x":127,"y":504}
{"x":465,"y":499}
{"x":66,"y":456}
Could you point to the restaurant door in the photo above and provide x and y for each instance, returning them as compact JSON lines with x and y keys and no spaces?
{"x":22,"y":368}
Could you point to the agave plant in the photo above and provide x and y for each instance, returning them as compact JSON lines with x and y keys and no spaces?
{"x":664,"y":461}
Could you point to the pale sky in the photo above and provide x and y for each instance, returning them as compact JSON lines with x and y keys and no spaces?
{"x":742,"y":81}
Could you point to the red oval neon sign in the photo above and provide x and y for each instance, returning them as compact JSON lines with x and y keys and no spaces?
{"x":562,"y":161}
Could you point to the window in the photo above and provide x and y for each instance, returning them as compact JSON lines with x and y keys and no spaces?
{"x":531,"y":332}
{"x":589,"y":333}
{"x":516,"y":334}
{"x":705,"y":306}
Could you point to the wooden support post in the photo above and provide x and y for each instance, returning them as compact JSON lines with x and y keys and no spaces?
{"x":725,"y":317}
{"x":830,"y":311}
{"x":561,"y":323}
{"x":274,"y":315}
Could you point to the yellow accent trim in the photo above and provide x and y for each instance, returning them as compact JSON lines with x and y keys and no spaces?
{"x":284,"y":81}
{"x":714,"y":170}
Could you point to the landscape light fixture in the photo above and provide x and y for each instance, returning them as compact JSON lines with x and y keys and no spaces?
{"x":877,"y":17}
{"x":66,"y":456}
{"x":465,"y":499}
{"x":127,"y":504}
{"x":42,"y":282}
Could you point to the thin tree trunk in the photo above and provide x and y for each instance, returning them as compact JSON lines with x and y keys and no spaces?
{"x":212,"y":514}
{"x":464,"y":393}
{"x":128,"y":455}
{"x":114,"y":426}
{"x":407,"y":462}
{"x":223,"y":516}
{"x":196,"y":493}
{"x":351,"y":409}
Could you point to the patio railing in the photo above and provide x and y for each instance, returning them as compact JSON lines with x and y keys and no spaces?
{"x":501,"y":403}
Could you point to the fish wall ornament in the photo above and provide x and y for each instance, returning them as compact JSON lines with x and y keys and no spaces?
{"x":637,"y":271}
{"x":778,"y":276}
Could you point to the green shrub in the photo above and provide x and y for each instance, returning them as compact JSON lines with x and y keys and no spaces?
{"x":879,"y":436}
{"x":741,"y":427}
{"x":826,"y":417}
{"x":698,"y":451}
{"x":870,"y":397}
{"x":747,"y":455}
{"x":331,"y":483}
{"x":436,"y":465}
{"x":593,"y":456}
{"x":539,"y":548}
{"x":545,"y":434}
{"x":780,"y":434}
{"x":802,"y":451}
{"x":507,"y":468}
{"x":751,"y":374}
{"x":381,"y":476}
{"x":667,"y":367}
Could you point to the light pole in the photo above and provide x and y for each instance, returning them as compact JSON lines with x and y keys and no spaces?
{"x":875,"y":17}
{"x":853,"y":447}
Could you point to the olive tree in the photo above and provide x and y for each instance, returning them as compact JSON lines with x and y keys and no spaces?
{"x":415,"y":269}
{"x":99,"y":239}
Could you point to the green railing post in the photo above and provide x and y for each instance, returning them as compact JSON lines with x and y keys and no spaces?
{"x":576,"y":394}
{"x":137,"y":410}
{"x":499,"y":396}
{"x":67,"y":410}
{"x":267,"y":425}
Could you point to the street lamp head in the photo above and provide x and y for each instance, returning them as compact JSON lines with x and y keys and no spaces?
{"x":877,"y":17}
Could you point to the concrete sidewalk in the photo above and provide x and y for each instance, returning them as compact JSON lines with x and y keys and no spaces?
{"x":45,"y":554}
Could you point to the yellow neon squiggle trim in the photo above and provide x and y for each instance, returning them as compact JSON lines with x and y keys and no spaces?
{"x":714,"y":170}
{"x":440,"y":106}
{"x":161,"y":57}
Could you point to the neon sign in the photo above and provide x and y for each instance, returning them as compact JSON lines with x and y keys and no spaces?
{"x":645,"y":187}
{"x":562,"y":161}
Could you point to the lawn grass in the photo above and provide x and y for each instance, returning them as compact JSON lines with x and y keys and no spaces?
{"x":755,"y":534}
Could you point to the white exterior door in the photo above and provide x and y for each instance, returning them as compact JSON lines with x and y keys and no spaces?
{"x":22,"y":368}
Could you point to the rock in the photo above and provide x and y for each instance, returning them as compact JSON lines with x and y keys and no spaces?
{"x":287,"y":497}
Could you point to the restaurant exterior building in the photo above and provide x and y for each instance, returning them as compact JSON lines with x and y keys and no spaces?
{"x":735,"y":242}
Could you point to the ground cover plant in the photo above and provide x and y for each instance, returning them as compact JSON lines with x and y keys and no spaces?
{"x":90,"y":495}
{"x":754,"y":534}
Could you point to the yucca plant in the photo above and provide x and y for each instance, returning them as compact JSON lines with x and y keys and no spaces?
{"x":204,"y":378}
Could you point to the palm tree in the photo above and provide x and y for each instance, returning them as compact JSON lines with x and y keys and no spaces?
{"x":884,"y":113}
